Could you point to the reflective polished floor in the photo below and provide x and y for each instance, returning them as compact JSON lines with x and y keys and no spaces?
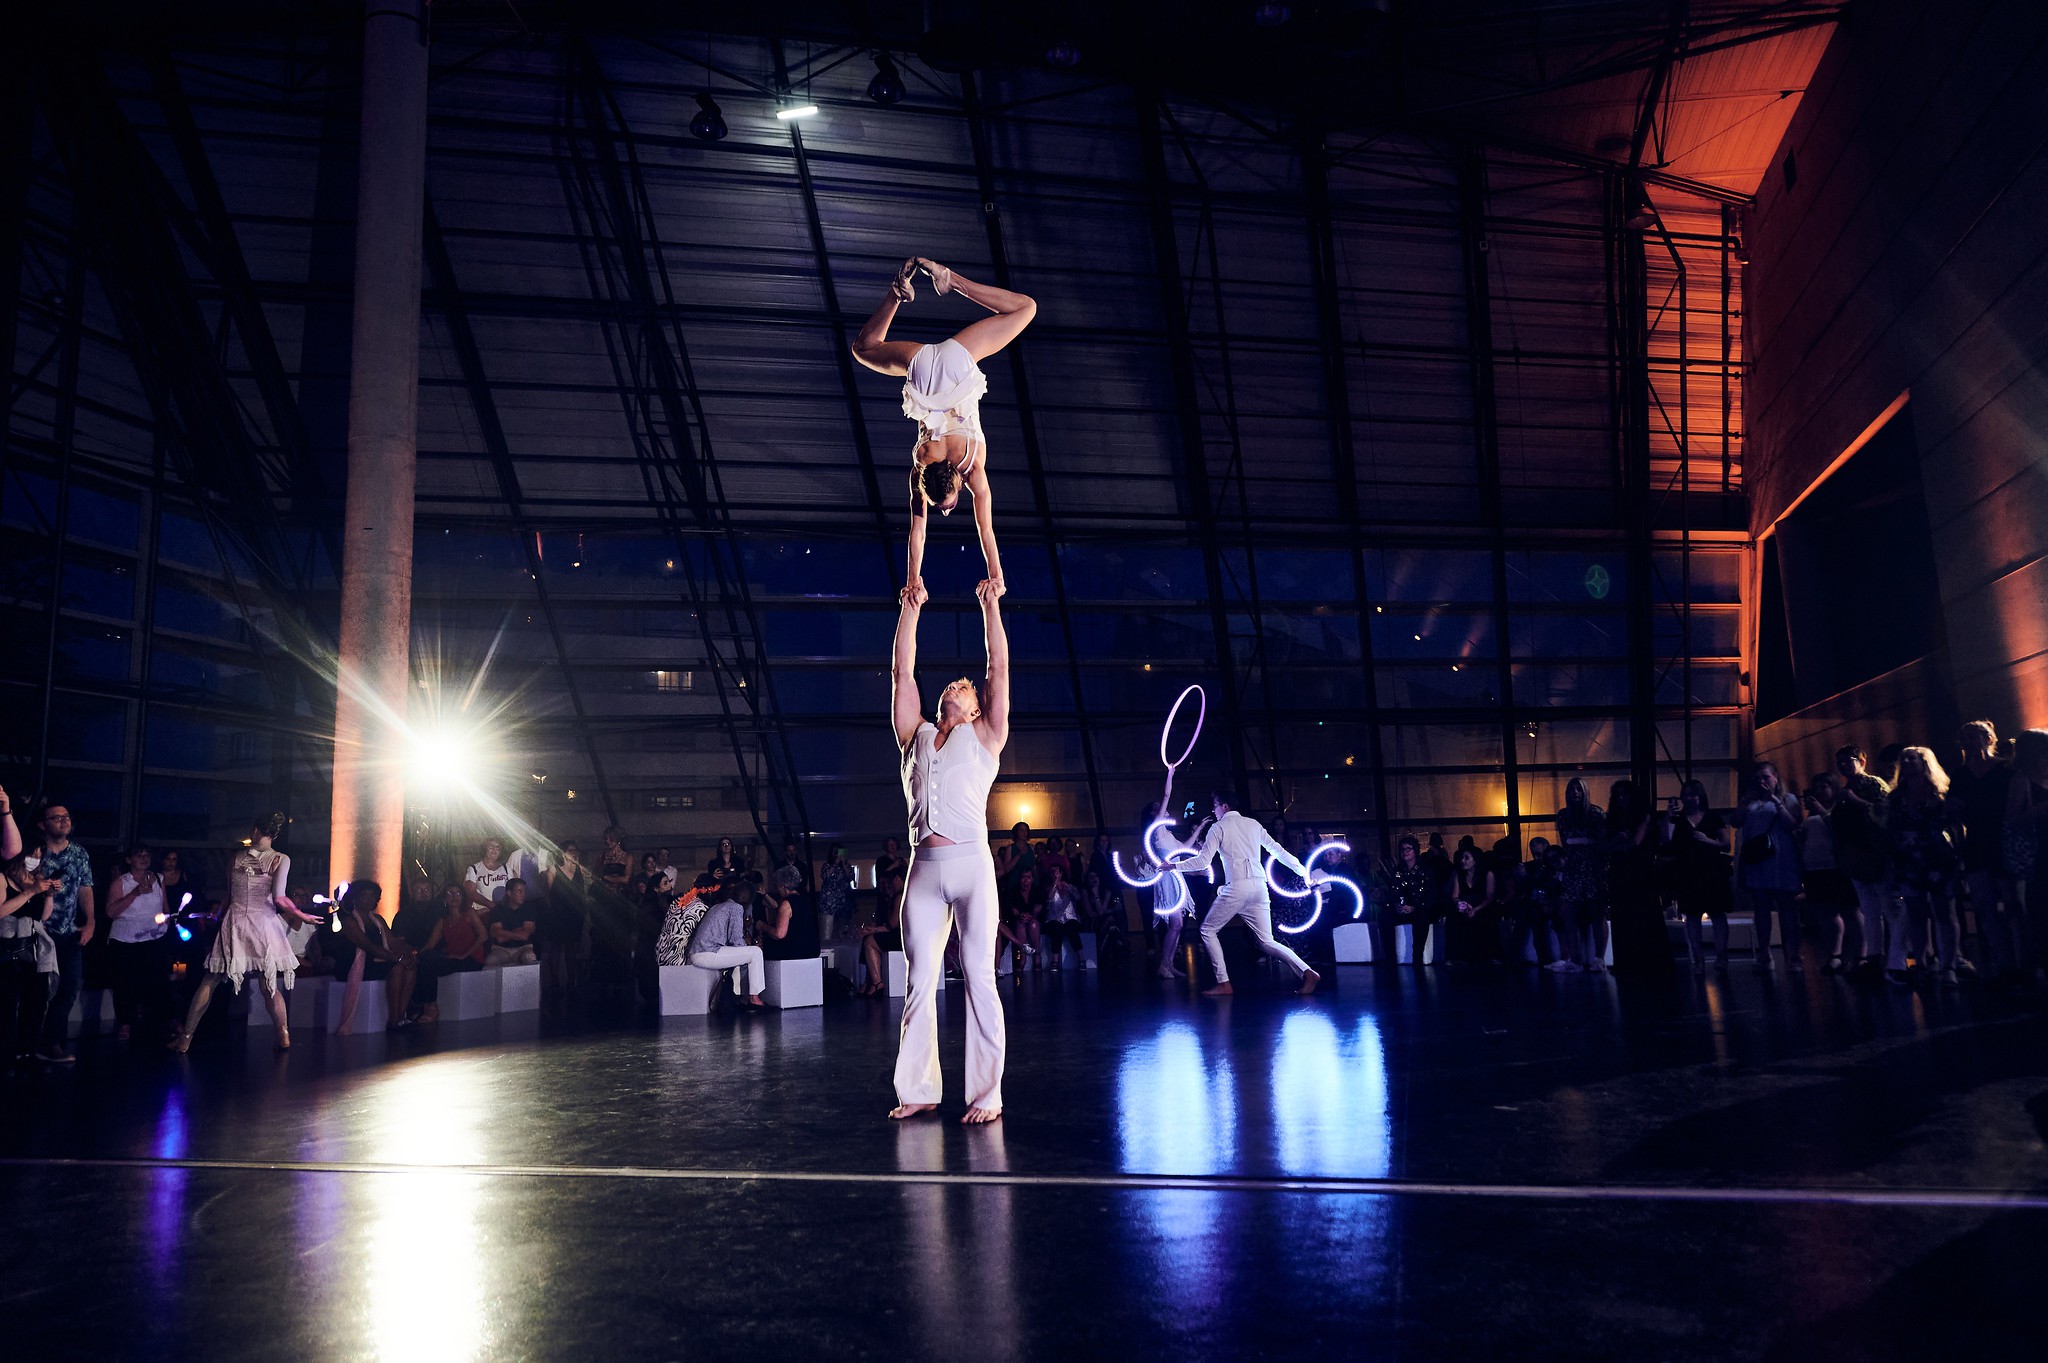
{"x":1419,"y":1164}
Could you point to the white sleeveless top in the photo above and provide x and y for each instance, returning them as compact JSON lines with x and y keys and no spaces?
{"x":947,"y":787}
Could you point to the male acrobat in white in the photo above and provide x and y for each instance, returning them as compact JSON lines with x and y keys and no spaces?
{"x":948,"y":768}
{"x":1239,"y":839}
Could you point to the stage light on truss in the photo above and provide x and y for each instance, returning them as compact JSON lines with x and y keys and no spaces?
{"x":441,"y":758}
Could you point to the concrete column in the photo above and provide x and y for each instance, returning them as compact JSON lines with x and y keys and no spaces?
{"x":383,"y":409}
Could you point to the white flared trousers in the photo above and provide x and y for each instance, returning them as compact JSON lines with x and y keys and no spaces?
{"x":947,"y":884}
{"x":749,"y":979}
{"x":1255,"y":907}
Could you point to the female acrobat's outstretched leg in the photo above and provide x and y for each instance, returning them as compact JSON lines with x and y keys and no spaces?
{"x":1013,"y":311}
{"x":872,"y":347}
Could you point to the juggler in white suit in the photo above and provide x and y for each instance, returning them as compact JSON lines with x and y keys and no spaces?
{"x":948,"y":768}
{"x":1239,"y":840}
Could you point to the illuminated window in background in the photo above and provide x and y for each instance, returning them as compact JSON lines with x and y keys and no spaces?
{"x":674,"y":681}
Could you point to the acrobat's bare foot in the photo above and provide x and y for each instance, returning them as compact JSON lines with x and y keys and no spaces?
{"x":942,"y":278}
{"x":981,"y":1116}
{"x":904,"y":1111}
{"x":1218,"y":991}
{"x":900,"y":288}
{"x":1309,"y":981}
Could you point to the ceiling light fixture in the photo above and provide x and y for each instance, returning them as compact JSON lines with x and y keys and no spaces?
{"x":709,"y":124}
{"x":789,"y":111}
{"x":887,"y":86}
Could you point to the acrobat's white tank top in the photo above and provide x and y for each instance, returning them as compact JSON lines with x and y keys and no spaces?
{"x":947,"y":787}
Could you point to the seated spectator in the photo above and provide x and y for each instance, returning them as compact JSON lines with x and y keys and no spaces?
{"x":790,"y":879}
{"x":1062,"y":915}
{"x":1019,"y":905}
{"x":455,"y":945}
{"x":512,"y":928}
{"x":1017,"y":855}
{"x":364,"y":949}
{"x":28,"y":956}
{"x":1473,"y":925}
{"x":668,"y":867}
{"x":772,"y":914}
{"x":485,"y":881}
{"x":720,"y":942}
{"x":884,"y":935}
{"x":1099,"y":905}
{"x":418,"y":915}
{"x":651,"y":911}
{"x":1411,"y":901}
{"x":138,"y":958}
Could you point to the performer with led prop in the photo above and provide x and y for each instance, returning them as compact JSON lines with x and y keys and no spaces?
{"x":1170,"y":897}
{"x":1239,"y":840}
{"x":942,"y":391}
{"x":1316,"y":886}
{"x":948,"y":768}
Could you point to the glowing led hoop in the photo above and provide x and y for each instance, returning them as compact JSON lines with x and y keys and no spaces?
{"x":1200,"y":715}
{"x":1117,"y":865}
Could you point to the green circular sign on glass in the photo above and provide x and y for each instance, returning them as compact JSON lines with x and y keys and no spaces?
{"x":1598,"y":582}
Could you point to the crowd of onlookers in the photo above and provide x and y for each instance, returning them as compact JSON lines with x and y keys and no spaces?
{"x":1874,"y":863}
{"x":1884,"y":866}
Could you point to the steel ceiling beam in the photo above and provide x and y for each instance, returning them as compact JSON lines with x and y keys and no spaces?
{"x":1027,"y":421}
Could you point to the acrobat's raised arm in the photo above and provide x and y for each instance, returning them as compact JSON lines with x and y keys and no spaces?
{"x":985,"y":523}
{"x":919,"y":523}
{"x":906,"y":713}
{"x":993,"y":727}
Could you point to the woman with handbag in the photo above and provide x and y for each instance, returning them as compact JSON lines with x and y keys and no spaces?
{"x":1924,"y":866}
{"x":1768,"y":865}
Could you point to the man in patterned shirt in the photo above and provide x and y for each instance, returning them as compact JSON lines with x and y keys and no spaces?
{"x":70,"y":924}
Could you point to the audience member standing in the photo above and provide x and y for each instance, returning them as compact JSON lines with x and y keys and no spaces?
{"x":70,"y":923}
{"x":485,"y":881}
{"x":835,"y":891}
{"x":1925,"y":868}
{"x":28,"y":958}
{"x":564,"y":921}
{"x":726,"y":862}
{"x":1642,"y":949}
{"x":1697,"y":850}
{"x":1829,"y":893}
{"x":1581,"y":828}
{"x":2026,"y":825}
{"x":1863,"y":851}
{"x":1978,"y":792}
{"x":1769,"y":866}
{"x":136,"y":959}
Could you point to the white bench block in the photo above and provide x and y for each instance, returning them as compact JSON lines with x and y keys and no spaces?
{"x":686,"y":989}
{"x":470,"y":994}
{"x":102,"y":1008}
{"x":1353,"y":942}
{"x":1404,"y":944}
{"x":372,"y":1014}
{"x":795,"y":984}
{"x":1091,"y":943}
{"x":518,"y":987}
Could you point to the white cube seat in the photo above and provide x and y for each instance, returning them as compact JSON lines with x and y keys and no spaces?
{"x":470,"y":994}
{"x":795,"y":984}
{"x":97,"y":1004}
{"x":518,"y":987}
{"x":1353,"y":943}
{"x":372,"y":1013}
{"x":686,"y":990}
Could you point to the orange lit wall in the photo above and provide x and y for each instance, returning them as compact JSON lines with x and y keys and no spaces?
{"x":1907,"y":257}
